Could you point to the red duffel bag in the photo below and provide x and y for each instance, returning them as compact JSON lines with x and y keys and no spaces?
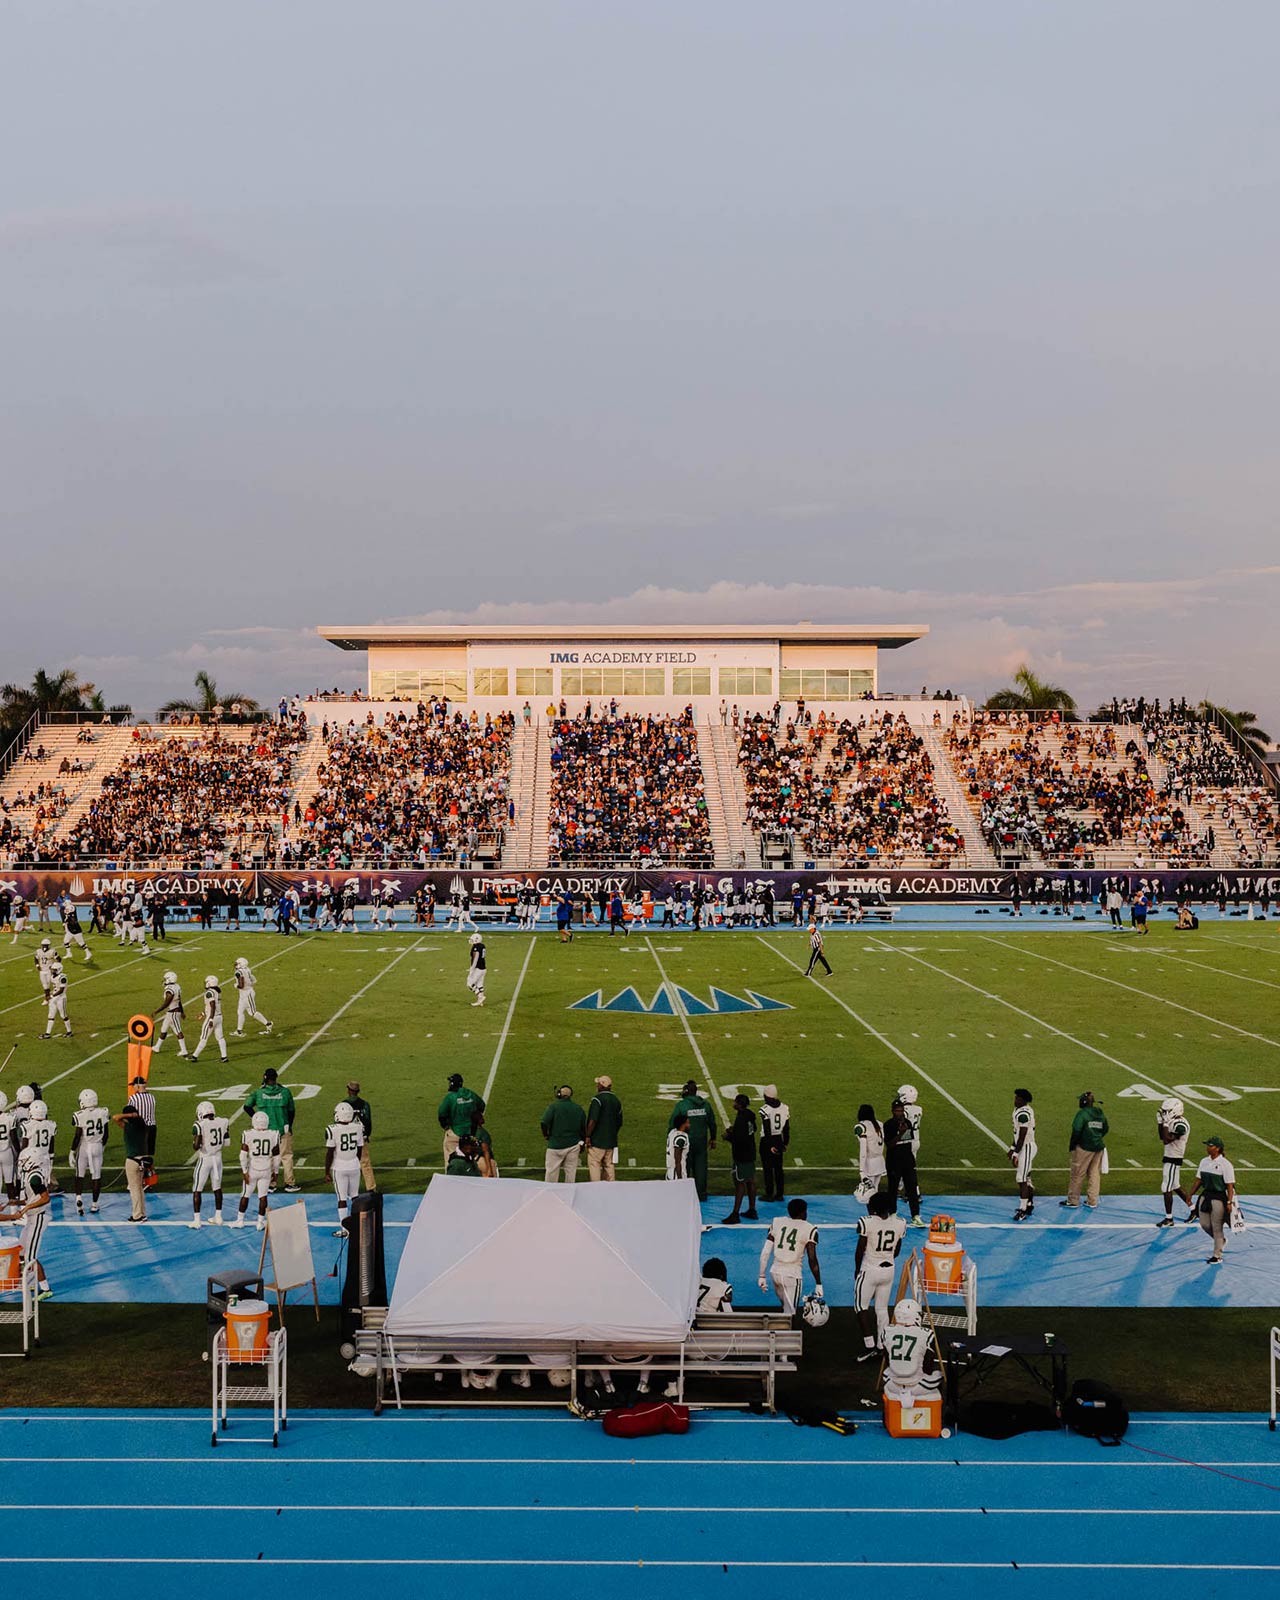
{"x":638,"y":1422}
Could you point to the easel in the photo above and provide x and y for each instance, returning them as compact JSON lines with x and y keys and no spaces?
{"x":289,"y":1240}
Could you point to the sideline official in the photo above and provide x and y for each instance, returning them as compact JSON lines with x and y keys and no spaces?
{"x":1088,"y":1145}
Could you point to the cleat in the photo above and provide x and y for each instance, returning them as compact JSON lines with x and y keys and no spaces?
{"x":194,"y":1223}
{"x":1193,"y":1216}
{"x":260,"y":1225}
{"x":339,"y":1233}
{"x":238,"y":1223}
{"x":918,"y":1222}
{"x":293,"y":1188}
{"x":47,"y":1294}
{"x":731,"y":1222}
{"x":237,"y":1034}
{"x":1165,"y":1222}
{"x":217,"y":1219}
{"x":1021,"y":1214}
{"x":1210,"y":1261}
{"x":1071,"y":1205}
{"x":94,"y":1206}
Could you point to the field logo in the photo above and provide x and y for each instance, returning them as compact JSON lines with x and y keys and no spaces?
{"x":671,"y":999}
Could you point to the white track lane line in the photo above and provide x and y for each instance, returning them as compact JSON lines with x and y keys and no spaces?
{"x":506,"y":1026}
{"x":863,"y":1564}
{"x":684,"y":1509}
{"x":1082,"y":1044}
{"x":688,"y":1033}
{"x":1116,"y":983}
{"x":875,"y":1033}
{"x":910,"y":1463}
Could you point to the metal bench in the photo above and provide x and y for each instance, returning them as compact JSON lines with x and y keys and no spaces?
{"x":755,"y":1346}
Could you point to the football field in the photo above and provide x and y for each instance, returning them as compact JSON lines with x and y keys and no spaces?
{"x":966,"y":1015}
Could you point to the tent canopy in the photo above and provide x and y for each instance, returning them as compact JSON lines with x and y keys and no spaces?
{"x":510,"y":1259}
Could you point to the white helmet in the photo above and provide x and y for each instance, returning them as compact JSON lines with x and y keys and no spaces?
{"x":907,"y":1094}
{"x":39,"y":1111}
{"x":45,"y":945}
{"x":907,"y":1313}
{"x":211,"y":982}
{"x":815,"y":1311}
{"x":344,"y":1111}
{"x":476,"y":939}
{"x":170,"y":978}
{"x":205,"y":1109}
{"x":88,"y":1099}
{"x":261,"y":1120}
{"x":28,"y":1161}
{"x":242,"y":961}
{"x":4,"y":1100}
{"x":26,"y":1094}
{"x":1172,"y":1106}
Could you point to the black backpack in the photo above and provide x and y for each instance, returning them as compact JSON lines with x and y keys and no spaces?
{"x":1096,"y":1411}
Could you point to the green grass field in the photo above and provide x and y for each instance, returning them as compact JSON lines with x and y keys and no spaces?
{"x":965,"y":1016}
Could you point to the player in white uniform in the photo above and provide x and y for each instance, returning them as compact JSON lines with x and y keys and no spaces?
{"x":92,"y":1123}
{"x":476,"y":969}
{"x":791,"y":1239}
{"x":19,"y":913}
{"x":137,"y":924}
{"x":678,"y":1150}
{"x":871,"y":1167}
{"x":31,"y":1208}
{"x":71,"y":933}
{"x":1022,"y":1152}
{"x":209,"y":1133}
{"x":343,"y":1140}
{"x":914,"y":1112}
{"x":911,"y":1367}
{"x":8,"y":1149}
{"x":57,"y":1000}
{"x":349,"y":910}
{"x":715,"y":1292}
{"x":325,"y":919}
{"x":259,"y":1163}
{"x":171,"y":1013}
{"x":1174,"y":1131}
{"x":118,"y":920}
{"x":39,"y":1136}
{"x":247,"y":999}
{"x":880,"y":1235}
{"x":211,"y":1021}
{"x":44,"y":959}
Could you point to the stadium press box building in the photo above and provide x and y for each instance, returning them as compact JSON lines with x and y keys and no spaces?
{"x":644,"y":668}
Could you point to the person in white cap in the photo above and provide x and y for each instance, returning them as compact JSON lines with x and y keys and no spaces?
{"x":775,"y":1136}
{"x":476,"y":969}
{"x":604,"y":1123}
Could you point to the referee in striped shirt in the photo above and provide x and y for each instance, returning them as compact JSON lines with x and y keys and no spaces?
{"x":815,"y":950}
{"x":144,"y":1103}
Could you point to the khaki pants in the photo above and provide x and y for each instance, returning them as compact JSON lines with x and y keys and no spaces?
{"x":366,"y":1168}
{"x":286,"y":1155}
{"x":600,"y":1165}
{"x":1213,"y":1219}
{"x":137,"y":1194}
{"x":565,"y":1161}
{"x":450,"y":1145}
{"x":1086,"y":1165}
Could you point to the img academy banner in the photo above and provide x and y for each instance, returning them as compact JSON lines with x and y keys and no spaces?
{"x":84,"y":882}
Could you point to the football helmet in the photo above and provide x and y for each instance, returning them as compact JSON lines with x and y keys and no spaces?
{"x":39,"y":1111}
{"x":816,"y":1312}
{"x":1172,"y":1107}
{"x":4,"y":1100}
{"x":907,"y":1094}
{"x":205,"y":1109}
{"x":169,"y":979}
{"x":88,"y":1099}
{"x":242,"y":961}
{"x":866,"y":1188}
{"x":476,"y":939}
{"x":261,"y":1121}
{"x":344,"y":1111}
{"x":45,"y":945}
{"x":26,"y":1094}
{"x":907,"y":1313}
{"x":211,"y":982}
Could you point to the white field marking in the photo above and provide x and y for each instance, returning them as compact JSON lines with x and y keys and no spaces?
{"x":102,"y":972}
{"x":688,"y":1033}
{"x":889,"y":1045}
{"x":910,"y":1463}
{"x":1220,"y":972}
{"x":344,"y":1008}
{"x":1084,"y":1044}
{"x":506,"y":1026}
{"x":359,"y":1563}
{"x":59,"y":1076}
{"x":541,"y":1507}
{"x":1146,"y":994}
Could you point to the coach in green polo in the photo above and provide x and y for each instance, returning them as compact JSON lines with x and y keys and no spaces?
{"x":1088,"y":1145}
{"x":604,"y":1124}
{"x":564,"y":1127}
{"x":702,"y":1133}
{"x":276,"y":1099}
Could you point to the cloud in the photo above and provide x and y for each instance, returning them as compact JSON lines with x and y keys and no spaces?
{"x":157,"y":246}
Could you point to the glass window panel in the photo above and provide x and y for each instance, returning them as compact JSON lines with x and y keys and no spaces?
{"x":480,"y":680}
{"x":837,"y":685}
{"x":789,"y":683}
{"x":633,"y":679}
{"x":728,"y":680}
{"x":454,"y":685}
{"x":764,"y":680}
{"x":860,"y":683}
{"x":592,"y":680}
{"x":533,"y":680}
{"x":490,"y":680}
{"x":570,"y":680}
{"x":613,"y":681}
{"x":382,"y":685}
{"x":814,"y":684}
{"x":655,"y":680}
{"x":407,"y":683}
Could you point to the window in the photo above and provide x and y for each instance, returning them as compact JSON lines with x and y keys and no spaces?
{"x":814,"y":685}
{"x":533,"y":681}
{"x":688,"y":681}
{"x":655,"y":680}
{"x":789,"y":684}
{"x":407,"y":685}
{"x":382,"y":685}
{"x":490,"y":681}
{"x":613,"y":681}
{"x":737,"y":681}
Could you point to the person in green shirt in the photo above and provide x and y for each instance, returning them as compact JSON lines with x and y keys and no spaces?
{"x":465,"y":1160}
{"x":604,"y":1123}
{"x":1088,"y":1146}
{"x":461,"y":1111}
{"x":484,"y":1142}
{"x":364,"y":1115}
{"x":136,"y":1158}
{"x":702,"y":1133}
{"x":276,"y":1099}
{"x":564,"y":1127}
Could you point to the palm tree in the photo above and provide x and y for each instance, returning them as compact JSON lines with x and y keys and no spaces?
{"x":207,"y":700}
{"x":1030,"y":693}
{"x":47,"y":693}
{"x":1246,"y":725}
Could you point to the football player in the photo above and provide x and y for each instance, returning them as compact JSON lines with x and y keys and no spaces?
{"x":880,"y":1236}
{"x":914,"y":1112}
{"x":791,"y":1239}
{"x":247,"y":999}
{"x":326,"y":908}
{"x":871,"y":1167}
{"x":137,"y":928}
{"x":476,"y":969}
{"x":349,"y":910}
{"x":8,"y":1149}
{"x":91,"y":1123}
{"x":715,"y":1292}
{"x":171,"y":1013}
{"x":259,"y":1163}
{"x":343,"y":1139}
{"x":31,"y":1208}
{"x":19,"y":912}
{"x":44,"y":959}
{"x":38,"y":1137}
{"x":910,"y":1365}
{"x":1174,"y":1131}
{"x":775,"y":1136}
{"x":211,"y":1022}
{"x":209,"y":1134}
{"x":678,"y":1148}
{"x":71,"y":934}
{"x":1022,"y":1152}
{"x":57,"y":1000}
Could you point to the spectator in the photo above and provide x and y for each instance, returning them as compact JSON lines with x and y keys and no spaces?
{"x":564,"y":1127}
{"x":1088,"y":1144}
{"x":604,"y":1123}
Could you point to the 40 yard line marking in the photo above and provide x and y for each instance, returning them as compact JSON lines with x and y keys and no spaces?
{"x":688,"y":1033}
{"x":889,"y":1045}
{"x":506,"y":1026}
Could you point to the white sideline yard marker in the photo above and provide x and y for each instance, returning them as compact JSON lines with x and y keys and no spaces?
{"x":889,"y":1045}
{"x":688,"y":1033}
{"x":1061,"y":1033}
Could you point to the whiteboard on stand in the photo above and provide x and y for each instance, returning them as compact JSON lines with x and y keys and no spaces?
{"x":288,"y":1241}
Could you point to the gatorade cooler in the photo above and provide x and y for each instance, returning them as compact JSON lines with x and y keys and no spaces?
{"x":10,"y":1265}
{"x":919,"y":1417}
{"x":943,"y":1258}
{"x":248,"y":1324}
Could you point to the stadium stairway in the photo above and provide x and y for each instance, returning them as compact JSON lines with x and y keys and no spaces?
{"x":526,"y":846}
{"x":100,"y":758}
{"x":978,"y":852}
{"x":726,"y":798}
{"x":308,"y":763}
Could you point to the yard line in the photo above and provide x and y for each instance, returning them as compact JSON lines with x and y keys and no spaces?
{"x":1220,"y":972}
{"x":345,"y":1007}
{"x":59,"y":1076}
{"x":688,"y":1033}
{"x":1146,"y":994}
{"x":506,"y":1026}
{"x":889,"y":1045}
{"x":102,"y":972}
{"x":1083,"y":1044}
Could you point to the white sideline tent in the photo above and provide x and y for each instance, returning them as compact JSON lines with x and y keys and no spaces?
{"x":506,"y":1259}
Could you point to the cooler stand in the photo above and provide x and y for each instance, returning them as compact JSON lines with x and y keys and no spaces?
{"x":25,"y":1313}
{"x":275,"y":1366}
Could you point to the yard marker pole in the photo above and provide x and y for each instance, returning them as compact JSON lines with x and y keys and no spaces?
{"x":506,"y":1026}
{"x":688,"y":1031}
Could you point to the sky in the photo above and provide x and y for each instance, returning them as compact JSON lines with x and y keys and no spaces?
{"x":570,"y":310}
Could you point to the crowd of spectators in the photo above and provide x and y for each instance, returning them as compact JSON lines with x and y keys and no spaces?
{"x":848,"y":792}
{"x":414,"y":788}
{"x":627,"y":788}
